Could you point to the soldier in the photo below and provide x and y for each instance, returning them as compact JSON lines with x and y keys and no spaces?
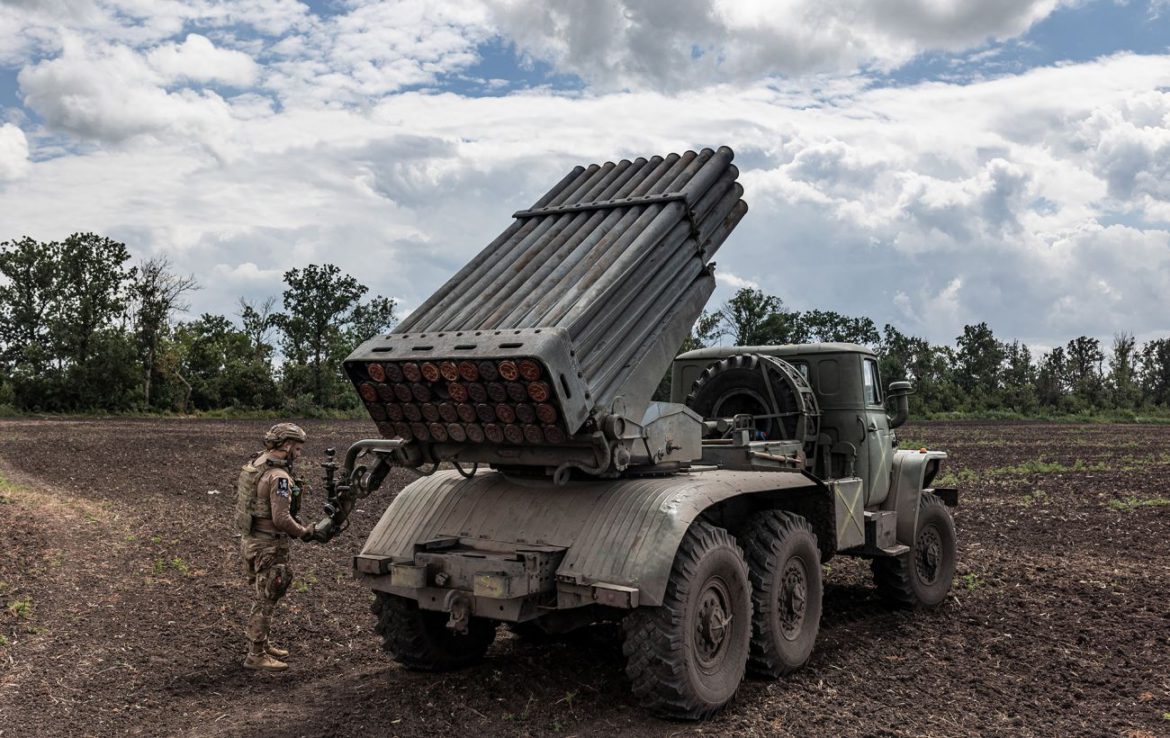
{"x":267,"y":496}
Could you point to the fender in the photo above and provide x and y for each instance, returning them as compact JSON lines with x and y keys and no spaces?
{"x":621,"y":532}
{"x":907,"y":479}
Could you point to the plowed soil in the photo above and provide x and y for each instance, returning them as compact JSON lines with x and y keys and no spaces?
{"x":123,"y":606}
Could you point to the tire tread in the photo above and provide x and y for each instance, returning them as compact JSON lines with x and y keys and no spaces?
{"x":654,"y":642}
{"x":892,"y":575}
{"x":767,"y":532}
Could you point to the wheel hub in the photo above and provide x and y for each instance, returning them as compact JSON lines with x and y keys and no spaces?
{"x":928,"y":555}
{"x":793,"y":598}
{"x":713,"y":623}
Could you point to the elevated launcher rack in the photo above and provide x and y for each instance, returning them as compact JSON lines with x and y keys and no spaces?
{"x":544,"y":351}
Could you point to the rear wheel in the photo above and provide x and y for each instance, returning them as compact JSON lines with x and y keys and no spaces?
{"x":420,"y":639}
{"x":922,"y":577}
{"x":686,"y":658}
{"x":785,"y":569}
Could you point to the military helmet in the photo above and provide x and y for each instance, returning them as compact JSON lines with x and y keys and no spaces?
{"x":282,"y":432}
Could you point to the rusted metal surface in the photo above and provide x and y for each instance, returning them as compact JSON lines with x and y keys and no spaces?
{"x":620,"y":532}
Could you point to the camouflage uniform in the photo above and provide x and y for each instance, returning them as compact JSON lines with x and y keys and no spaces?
{"x":264,"y":517}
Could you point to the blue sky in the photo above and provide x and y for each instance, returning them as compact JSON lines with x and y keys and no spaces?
{"x":1003,"y":161}
{"x":1078,"y":33}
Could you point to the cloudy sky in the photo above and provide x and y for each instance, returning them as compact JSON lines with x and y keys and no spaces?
{"x":928,"y":163}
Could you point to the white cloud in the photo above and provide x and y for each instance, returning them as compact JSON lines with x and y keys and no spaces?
{"x":930,"y":206}
{"x":377,"y":48}
{"x":110,"y":93}
{"x":198,"y":59}
{"x":1129,"y":144}
{"x":13,"y":152}
{"x":247,"y":272}
{"x":674,"y":43}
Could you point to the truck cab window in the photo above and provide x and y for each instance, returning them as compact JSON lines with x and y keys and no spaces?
{"x":873,"y":394}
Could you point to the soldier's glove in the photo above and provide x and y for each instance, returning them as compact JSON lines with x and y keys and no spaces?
{"x":322,"y":532}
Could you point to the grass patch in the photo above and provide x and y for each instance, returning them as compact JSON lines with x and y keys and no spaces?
{"x":1133,"y":502}
{"x":160,"y":566}
{"x":970,"y":582}
{"x":1035,"y":496}
{"x":3,"y":641}
{"x":1153,"y":416}
{"x":6,"y":486}
{"x":955,"y":477}
{"x":1040,"y":466}
{"x":21,"y":608}
{"x":305,"y":584}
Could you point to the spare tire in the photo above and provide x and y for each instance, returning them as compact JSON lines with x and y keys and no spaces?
{"x":770,"y":389}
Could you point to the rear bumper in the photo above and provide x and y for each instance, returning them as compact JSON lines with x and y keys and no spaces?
{"x":501,"y":582}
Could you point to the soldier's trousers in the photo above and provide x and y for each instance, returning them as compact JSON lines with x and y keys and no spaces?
{"x":269,"y":574}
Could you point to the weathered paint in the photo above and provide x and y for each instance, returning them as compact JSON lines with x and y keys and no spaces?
{"x":906,"y":481}
{"x":623,"y":532}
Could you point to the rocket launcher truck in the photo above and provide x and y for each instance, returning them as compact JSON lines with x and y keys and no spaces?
{"x":554,"y":493}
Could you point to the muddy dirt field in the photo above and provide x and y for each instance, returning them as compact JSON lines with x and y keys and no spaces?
{"x":123,"y":606}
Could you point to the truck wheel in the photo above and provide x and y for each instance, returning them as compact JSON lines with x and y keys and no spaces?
{"x":922,"y":577}
{"x":420,"y":639}
{"x":765,"y":387}
{"x":785,"y":569}
{"x":686,"y":658}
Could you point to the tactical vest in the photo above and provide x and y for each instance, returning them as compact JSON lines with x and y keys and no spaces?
{"x":249,"y":504}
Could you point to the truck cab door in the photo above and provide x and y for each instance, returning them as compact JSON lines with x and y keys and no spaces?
{"x":878,"y":444}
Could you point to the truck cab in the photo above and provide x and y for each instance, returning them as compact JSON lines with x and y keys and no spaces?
{"x":855,"y":435}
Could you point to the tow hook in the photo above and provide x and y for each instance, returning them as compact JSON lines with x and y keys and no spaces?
{"x":459,"y":605}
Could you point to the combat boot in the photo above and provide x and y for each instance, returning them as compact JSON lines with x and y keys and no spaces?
{"x":258,"y":659}
{"x":271,"y":650}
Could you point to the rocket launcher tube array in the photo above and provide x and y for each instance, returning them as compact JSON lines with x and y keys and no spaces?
{"x":589,"y":285}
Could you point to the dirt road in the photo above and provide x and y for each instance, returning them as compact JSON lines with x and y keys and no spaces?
{"x":123,"y":606}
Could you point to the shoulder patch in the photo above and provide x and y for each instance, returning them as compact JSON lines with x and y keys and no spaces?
{"x":282,"y":486}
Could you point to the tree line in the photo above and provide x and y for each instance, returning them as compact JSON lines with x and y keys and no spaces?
{"x":82,"y":329}
{"x":979,"y":374}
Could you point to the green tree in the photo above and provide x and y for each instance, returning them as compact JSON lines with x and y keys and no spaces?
{"x":1155,"y":372}
{"x":782,"y":328}
{"x":259,"y":320}
{"x":62,"y":313}
{"x":925,"y":366}
{"x":1019,"y":378}
{"x":219,"y":362}
{"x":705,"y":332}
{"x":26,"y":295}
{"x":745,"y":316}
{"x":829,"y":326}
{"x":1123,"y":383}
{"x":158,"y":294}
{"x":1083,"y":360}
{"x":91,"y":290}
{"x":1050,"y":379}
{"x":369,"y":319}
{"x":979,"y":358}
{"x":322,"y":310}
